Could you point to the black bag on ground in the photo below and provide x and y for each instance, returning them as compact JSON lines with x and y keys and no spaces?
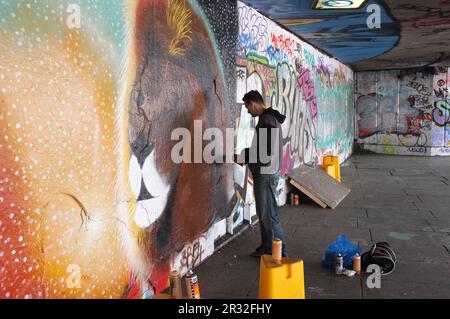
{"x":380,"y":254}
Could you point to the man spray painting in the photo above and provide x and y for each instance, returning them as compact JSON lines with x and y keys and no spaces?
{"x":264,"y":158}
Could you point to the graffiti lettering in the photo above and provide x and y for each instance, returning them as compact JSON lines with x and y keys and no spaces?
{"x":441,"y":113}
{"x":445,"y":150}
{"x":306,"y":84}
{"x":284,"y":43}
{"x":310,"y":59}
{"x":192,"y":255}
{"x":417,"y":149}
{"x":420,"y":88}
{"x":422,"y":99}
{"x":276,"y":54}
{"x":418,"y":123}
{"x":292,"y":101}
{"x":240,"y":74}
{"x":441,"y":93}
{"x":398,"y":118}
{"x":253,"y":33}
{"x":418,"y":101}
{"x":441,"y":83}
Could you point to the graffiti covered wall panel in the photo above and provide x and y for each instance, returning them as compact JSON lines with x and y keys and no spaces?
{"x":90,"y":204}
{"x":404,"y":112}
{"x":315,"y":92}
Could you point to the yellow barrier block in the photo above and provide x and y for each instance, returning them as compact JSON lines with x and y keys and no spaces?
{"x":331,"y":167}
{"x":285,"y":281}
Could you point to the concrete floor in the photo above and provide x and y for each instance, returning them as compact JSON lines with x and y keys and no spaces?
{"x":402,"y":200}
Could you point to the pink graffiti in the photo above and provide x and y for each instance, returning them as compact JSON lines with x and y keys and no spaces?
{"x":280,"y":42}
{"x":306,"y":84}
{"x":288,"y":162}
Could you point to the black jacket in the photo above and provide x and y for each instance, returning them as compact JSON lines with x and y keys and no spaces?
{"x":258,"y":158}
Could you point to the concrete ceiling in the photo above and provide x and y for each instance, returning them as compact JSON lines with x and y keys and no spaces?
{"x":413,"y":33}
{"x":424,"y":36}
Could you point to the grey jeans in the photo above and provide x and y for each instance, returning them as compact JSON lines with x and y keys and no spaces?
{"x":265,"y":188}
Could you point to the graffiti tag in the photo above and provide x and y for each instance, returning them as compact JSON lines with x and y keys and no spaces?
{"x":293,"y":98}
{"x":284,"y":43}
{"x":441,"y":113}
{"x":192,"y":255}
{"x":305,"y":83}
{"x":417,"y":150}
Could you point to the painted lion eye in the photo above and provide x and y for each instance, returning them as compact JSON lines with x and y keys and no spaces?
{"x":152,"y":179}
{"x":140,"y":100}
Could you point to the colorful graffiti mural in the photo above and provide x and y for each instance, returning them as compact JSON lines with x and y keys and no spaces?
{"x":404,"y":112}
{"x":342,"y":33}
{"x":90,"y":204}
{"x":314,"y":91}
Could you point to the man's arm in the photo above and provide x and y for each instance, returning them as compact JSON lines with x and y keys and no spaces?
{"x":243,"y":158}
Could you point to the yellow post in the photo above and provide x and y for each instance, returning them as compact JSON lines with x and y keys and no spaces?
{"x":331,"y":167}
{"x":281,"y":281}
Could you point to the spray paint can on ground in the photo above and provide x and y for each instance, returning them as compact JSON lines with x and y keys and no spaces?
{"x":357,"y":263}
{"x":175,"y":285}
{"x":192,"y":287}
{"x":296,"y":200}
{"x":339,"y":264}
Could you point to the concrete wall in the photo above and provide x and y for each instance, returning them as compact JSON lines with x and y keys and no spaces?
{"x":404,"y":112}
{"x":91,"y":203}
{"x":314,"y":91}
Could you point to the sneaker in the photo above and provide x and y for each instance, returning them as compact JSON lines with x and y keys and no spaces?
{"x":258,"y":252}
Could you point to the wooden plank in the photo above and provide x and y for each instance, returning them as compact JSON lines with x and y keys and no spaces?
{"x":319,"y":186}
{"x":307,"y":193}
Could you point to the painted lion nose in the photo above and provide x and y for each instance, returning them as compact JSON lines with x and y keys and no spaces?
{"x":142,"y":147}
{"x":144,"y":193}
